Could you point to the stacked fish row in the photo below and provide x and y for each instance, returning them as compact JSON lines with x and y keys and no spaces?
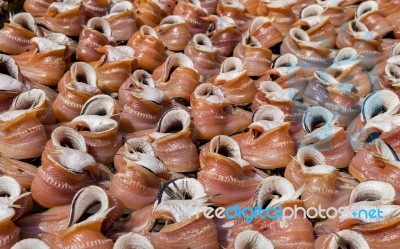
{"x":161,"y":109}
